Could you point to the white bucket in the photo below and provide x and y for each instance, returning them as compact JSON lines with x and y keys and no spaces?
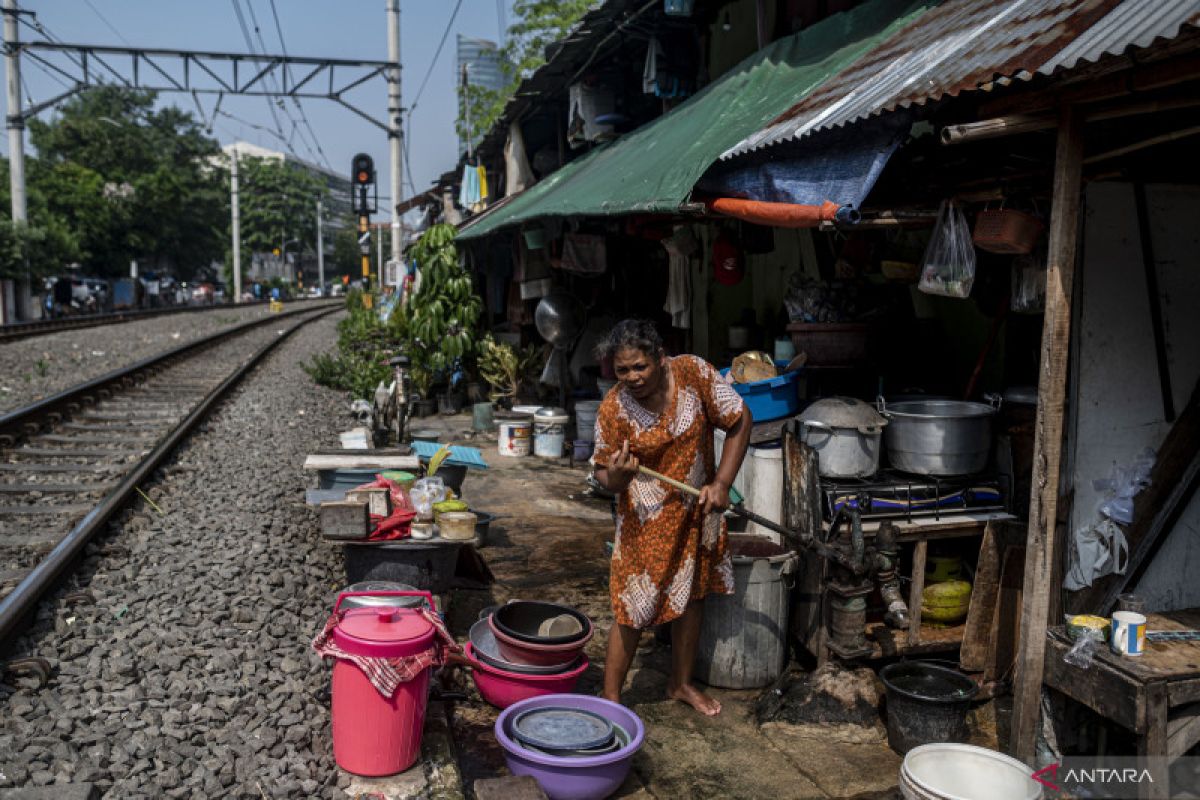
{"x":965,"y":772}
{"x":760,"y":482}
{"x":515,"y":437}
{"x":549,"y":436}
{"x":585,"y":420}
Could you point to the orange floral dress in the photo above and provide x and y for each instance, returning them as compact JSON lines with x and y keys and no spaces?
{"x":666,"y":553}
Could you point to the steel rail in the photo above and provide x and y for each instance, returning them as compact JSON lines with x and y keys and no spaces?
{"x":12,"y":424}
{"x":23,"y":599}
{"x":14,"y":331}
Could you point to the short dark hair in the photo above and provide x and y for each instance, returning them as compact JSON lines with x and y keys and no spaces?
{"x":634,"y":334}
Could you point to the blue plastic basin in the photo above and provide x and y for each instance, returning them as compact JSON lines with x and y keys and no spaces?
{"x":774,"y":398}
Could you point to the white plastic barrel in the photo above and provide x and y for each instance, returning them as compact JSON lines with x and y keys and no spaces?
{"x":760,"y":481}
{"x":585,"y":420}
{"x":549,"y":435}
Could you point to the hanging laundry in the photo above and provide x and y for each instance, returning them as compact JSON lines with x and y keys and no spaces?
{"x":517,"y":174}
{"x":586,"y":104}
{"x":468,"y":193}
{"x":483,"y":185}
{"x":654,"y":53}
{"x":680,"y":247}
{"x":584,"y":253}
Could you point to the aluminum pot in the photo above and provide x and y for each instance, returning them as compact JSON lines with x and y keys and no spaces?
{"x":846,"y":434}
{"x":938,"y":437}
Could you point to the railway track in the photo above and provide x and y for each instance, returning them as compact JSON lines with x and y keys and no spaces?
{"x":70,"y":462}
{"x":40,"y":327}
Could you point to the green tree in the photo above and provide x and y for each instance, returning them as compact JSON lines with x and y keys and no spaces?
{"x":132,"y":180}
{"x":276,"y":201}
{"x":40,"y":247}
{"x":536,"y":25}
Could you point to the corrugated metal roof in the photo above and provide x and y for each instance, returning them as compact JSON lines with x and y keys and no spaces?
{"x":963,"y":44}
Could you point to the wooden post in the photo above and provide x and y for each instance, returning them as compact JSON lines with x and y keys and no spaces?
{"x":1040,"y":580}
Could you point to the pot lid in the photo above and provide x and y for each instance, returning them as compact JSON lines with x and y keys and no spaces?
{"x":375,"y":601}
{"x":550,"y":412}
{"x":843,"y":412}
{"x":562,"y":728}
{"x":384,"y":624}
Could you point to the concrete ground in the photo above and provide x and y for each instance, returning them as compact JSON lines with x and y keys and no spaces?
{"x":549,"y":543}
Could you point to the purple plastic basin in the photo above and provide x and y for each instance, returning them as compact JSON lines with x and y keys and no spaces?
{"x":564,"y":778}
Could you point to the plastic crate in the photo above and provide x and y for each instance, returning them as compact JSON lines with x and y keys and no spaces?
{"x":774,"y":398}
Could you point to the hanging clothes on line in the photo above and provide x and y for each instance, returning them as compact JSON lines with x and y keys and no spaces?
{"x":517,"y":174}
{"x":469,"y":192}
{"x":680,"y":247}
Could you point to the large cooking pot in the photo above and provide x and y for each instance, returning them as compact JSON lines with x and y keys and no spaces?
{"x":938,"y":437}
{"x":846,"y":433}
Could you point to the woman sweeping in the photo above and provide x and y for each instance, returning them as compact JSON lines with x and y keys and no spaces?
{"x":670,"y":549}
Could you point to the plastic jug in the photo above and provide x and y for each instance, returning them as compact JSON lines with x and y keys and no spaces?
{"x":375,"y":735}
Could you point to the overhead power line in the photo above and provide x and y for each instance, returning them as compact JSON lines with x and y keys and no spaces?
{"x":437,"y":54}
{"x":111,"y":27}
{"x":296,"y":100}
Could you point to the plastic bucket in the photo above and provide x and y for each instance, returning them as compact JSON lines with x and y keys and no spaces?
{"x":926,"y":703}
{"x":585,"y":419}
{"x":549,"y":436}
{"x":481,"y":417}
{"x":955,"y":771}
{"x":515,"y":436}
{"x":582,"y":450}
{"x":773,"y":398}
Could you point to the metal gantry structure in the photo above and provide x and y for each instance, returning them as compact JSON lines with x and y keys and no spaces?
{"x":200,"y":72}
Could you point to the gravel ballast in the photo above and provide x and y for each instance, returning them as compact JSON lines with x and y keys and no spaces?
{"x":40,"y":366}
{"x":192,"y":674}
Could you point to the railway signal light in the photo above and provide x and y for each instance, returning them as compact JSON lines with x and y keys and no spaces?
{"x":364,"y":192}
{"x":362,"y":170}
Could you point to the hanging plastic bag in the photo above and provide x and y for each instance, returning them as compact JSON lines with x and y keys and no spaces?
{"x":1028,"y":285}
{"x":1095,"y":551}
{"x":948,"y":267}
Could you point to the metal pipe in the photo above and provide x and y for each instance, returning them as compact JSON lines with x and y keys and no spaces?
{"x":1029,"y":123}
{"x":24,"y":598}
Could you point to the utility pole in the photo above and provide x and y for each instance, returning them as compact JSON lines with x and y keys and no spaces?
{"x":379,"y":254}
{"x":320,"y":252}
{"x":236,"y":224}
{"x":16,"y":140}
{"x":395,"y":130}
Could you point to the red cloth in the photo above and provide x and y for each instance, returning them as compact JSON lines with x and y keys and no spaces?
{"x":385,"y":674}
{"x":399,"y":524}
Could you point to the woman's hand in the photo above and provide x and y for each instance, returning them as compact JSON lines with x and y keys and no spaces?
{"x":622,"y":469}
{"x":714,"y":497}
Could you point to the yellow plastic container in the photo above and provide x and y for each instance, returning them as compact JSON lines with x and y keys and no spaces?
{"x":946,"y":602}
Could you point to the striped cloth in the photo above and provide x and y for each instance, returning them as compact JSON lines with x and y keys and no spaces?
{"x":385,"y":674}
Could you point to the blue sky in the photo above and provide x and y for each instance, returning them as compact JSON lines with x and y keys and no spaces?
{"x":333,"y":28}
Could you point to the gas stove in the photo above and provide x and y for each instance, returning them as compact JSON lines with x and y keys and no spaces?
{"x":890,"y":494}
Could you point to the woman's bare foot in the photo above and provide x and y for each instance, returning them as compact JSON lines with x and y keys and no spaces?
{"x":708,"y":706}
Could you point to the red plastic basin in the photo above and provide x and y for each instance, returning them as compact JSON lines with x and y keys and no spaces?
{"x":502,"y":689}
{"x":542,"y":655}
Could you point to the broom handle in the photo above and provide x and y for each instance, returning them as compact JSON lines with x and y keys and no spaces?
{"x":737,"y":509}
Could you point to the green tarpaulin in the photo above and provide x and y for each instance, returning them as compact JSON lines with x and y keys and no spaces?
{"x":654,"y":168}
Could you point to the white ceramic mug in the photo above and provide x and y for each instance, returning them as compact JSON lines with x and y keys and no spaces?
{"x":1128,"y":633}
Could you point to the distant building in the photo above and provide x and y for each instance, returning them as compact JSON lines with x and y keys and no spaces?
{"x":484,"y":67}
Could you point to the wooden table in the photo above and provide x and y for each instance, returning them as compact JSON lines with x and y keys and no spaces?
{"x":1156,"y":695}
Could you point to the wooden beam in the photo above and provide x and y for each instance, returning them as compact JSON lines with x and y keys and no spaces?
{"x":1040,"y":579}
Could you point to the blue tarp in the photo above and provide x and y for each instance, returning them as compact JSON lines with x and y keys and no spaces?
{"x":841,"y":168}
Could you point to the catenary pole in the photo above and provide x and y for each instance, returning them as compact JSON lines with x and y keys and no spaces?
{"x":395,"y":131}
{"x":16,"y":139}
{"x":320,"y":251}
{"x":235,"y":225}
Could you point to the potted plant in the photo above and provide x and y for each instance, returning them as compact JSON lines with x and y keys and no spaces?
{"x":506,"y":369}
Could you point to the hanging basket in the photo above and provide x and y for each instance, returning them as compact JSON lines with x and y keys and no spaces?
{"x":1004,"y":230}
